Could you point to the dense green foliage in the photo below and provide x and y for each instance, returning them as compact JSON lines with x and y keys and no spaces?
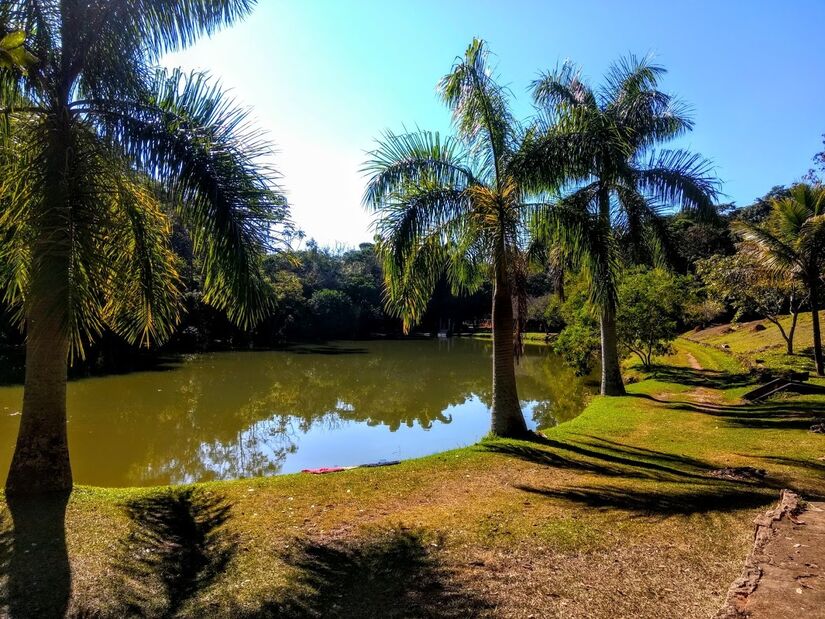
{"x":651,"y":312}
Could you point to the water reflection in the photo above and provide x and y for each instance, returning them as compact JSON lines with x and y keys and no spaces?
{"x":231,"y":415}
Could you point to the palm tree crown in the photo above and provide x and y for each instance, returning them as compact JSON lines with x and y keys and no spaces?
{"x":145,"y":145}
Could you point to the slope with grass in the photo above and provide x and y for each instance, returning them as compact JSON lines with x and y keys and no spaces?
{"x":756,"y":345}
{"x":614,"y":514}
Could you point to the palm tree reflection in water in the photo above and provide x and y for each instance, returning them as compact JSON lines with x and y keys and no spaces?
{"x":233,"y":415}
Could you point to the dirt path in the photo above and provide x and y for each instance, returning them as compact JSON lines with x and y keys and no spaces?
{"x":784,"y":576}
{"x":693,"y":362}
{"x":700,"y":394}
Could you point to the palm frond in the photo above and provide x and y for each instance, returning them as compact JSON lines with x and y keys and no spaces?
{"x":679,"y":177}
{"x":563,"y":87}
{"x":409,"y":159}
{"x":410,"y":281}
{"x":199,"y":146}
{"x":144,"y":288}
{"x":771,"y":251}
{"x":480,"y":109}
{"x":628,"y":76}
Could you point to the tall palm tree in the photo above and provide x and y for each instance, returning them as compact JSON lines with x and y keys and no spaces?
{"x":610,"y":135}
{"x":98,"y":150}
{"x":792,"y":245}
{"x":456,"y":205}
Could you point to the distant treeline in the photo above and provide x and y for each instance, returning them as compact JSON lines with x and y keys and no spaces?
{"x":324,"y":293}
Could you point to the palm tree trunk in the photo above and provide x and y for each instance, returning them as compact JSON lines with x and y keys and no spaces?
{"x":41,"y":456}
{"x":612,"y":383}
{"x":506,"y":412}
{"x":820,"y":369}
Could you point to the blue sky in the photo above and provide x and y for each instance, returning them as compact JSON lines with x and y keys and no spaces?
{"x":326,"y":77}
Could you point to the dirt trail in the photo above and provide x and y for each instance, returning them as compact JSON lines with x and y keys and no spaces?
{"x":784,"y":576}
{"x":693,"y":362}
{"x":700,"y":394}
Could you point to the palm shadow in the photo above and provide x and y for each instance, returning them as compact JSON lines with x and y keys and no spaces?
{"x":176,"y":547}
{"x":693,"y":485}
{"x":391,"y":575}
{"x":33,"y":556}
{"x":777,"y":415}
{"x":721,"y":497}
{"x":696,"y":377}
{"x":603,"y":457}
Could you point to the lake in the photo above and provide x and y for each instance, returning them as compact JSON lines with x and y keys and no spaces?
{"x":240,"y":414}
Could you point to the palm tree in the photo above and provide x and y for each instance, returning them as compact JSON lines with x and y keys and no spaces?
{"x":453,"y":206}
{"x":98,"y":150}
{"x":610,"y":134}
{"x":792,"y":245}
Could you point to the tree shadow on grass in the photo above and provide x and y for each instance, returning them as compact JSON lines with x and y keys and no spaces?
{"x":33,"y":556}
{"x":603,"y":457}
{"x":695,"y":377}
{"x":721,"y":497}
{"x":776,"y":415}
{"x":394,"y":574}
{"x":176,"y":548}
{"x":692,"y":485}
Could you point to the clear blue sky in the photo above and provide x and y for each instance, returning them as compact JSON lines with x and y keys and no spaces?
{"x":325,"y":77}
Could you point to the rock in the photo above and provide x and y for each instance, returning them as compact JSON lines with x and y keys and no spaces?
{"x":739,"y":473}
{"x":758,"y":327}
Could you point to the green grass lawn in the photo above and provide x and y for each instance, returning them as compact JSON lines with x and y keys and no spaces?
{"x":613,"y":514}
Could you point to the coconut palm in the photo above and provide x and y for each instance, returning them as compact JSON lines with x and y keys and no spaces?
{"x":456,"y":205}
{"x":610,"y":134}
{"x":98,"y":151}
{"x":792,"y":245}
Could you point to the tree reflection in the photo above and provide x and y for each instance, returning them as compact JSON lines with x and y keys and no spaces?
{"x":233,"y":415}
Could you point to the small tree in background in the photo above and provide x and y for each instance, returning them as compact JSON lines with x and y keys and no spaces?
{"x":748,"y":287}
{"x":651,"y":304}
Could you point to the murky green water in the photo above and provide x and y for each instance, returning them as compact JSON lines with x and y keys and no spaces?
{"x":230,"y":415}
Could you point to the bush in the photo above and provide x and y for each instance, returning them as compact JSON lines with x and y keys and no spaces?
{"x":578,"y":344}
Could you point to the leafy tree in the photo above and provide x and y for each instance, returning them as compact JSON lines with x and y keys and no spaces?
{"x":578,"y":343}
{"x":761,"y":208}
{"x":694,"y":239}
{"x":333,"y":313}
{"x":96,"y":149}
{"x":458,"y":205}
{"x":612,"y":132}
{"x":748,"y":287}
{"x":792,"y":244}
{"x":651,"y":305}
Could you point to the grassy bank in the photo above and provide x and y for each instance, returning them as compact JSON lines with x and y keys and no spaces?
{"x":614,"y":514}
{"x":760,"y":342}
